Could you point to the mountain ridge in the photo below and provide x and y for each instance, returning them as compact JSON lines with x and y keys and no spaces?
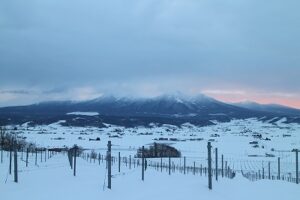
{"x":130,"y":111}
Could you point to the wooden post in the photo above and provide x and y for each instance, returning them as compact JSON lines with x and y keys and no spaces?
{"x":278,"y":168}
{"x":119,"y":159}
{"x":36,"y":156}
{"x":109,"y":163}
{"x":194,"y":170}
{"x":75,"y":155}
{"x":129,"y":161}
{"x":222,"y":165}
{"x":2,"y":143}
{"x":216,"y":164}
{"x":45,"y":154}
{"x":1,"y":153}
{"x":209,"y":165}
{"x":297,"y":167}
{"x":169,"y":166}
{"x":41,"y":155}
{"x":143,"y":164}
{"x":27,"y":152}
{"x":184,"y":165}
{"x":10,"y":157}
{"x":226,"y":169}
{"x":269,"y":169}
{"x":16,"y":163}
{"x":201,"y":170}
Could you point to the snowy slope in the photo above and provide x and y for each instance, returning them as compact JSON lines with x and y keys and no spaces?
{"x":54,"y":180}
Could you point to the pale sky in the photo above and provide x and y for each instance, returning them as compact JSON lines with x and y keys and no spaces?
{"x":232,"y":50}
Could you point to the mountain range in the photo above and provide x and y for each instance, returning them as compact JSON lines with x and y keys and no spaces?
{"x":166,"y":109}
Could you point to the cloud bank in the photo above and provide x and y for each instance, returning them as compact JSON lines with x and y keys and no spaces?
{"x":76,"y":49}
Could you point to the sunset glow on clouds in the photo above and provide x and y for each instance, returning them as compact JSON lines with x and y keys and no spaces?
{"x":291,"y":100}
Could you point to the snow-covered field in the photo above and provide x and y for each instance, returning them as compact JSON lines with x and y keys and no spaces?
{"x":247,"y":145}
{"x":54,"y":180}
{"x":232,"y":139}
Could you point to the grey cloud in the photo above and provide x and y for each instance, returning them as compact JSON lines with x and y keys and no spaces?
{"x":118,"y":45}
{"x":15,"y":92}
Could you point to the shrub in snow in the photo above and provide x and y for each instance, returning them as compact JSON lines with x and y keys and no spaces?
{"x":158,"y":150}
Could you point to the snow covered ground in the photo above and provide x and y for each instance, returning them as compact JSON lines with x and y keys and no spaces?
{"x":84,"y":113}
{"x":54,"y":180}
{"x":247,"y":145}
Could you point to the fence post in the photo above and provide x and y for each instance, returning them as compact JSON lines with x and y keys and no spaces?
{"x":201,"y":170}
{"x":216,"y":164}
{"x":15,"y":163}
{"x":269,"y":169}
{"x":194,"y":170}
{"x":169,"y":165}
{"x":209,"y":166}
{"x":35,"y":156}
{"x":226,"y":169}
{"x":75,"y":155}
{"x":278,"y":168}
{"x":143,"y":164}
{"x":45,"y":155}
{"x":222,"y":165}
{"x":297,"y":167}
{"x":27,"y":152}
{"x":119,"y":160}
{"x":10,"y":156}
{"x":1,"y":152}
{"x":184,"y":165}
{"x":109,"y":163}
{"x":2,"y":144}
{"x":41,"y":155}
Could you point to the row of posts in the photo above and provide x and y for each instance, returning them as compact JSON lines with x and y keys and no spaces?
{"x":144,"y":165}
{"x":261,"y":173}
{"x":13,"y":158}
{"x":229,"y":172}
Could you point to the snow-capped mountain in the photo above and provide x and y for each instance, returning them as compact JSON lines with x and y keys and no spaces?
{"x":166,"y":109}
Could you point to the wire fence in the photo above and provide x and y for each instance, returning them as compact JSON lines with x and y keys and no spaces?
{"x":209,"y":165}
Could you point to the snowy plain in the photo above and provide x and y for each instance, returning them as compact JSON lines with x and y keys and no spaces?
{"x":54,"y":179}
